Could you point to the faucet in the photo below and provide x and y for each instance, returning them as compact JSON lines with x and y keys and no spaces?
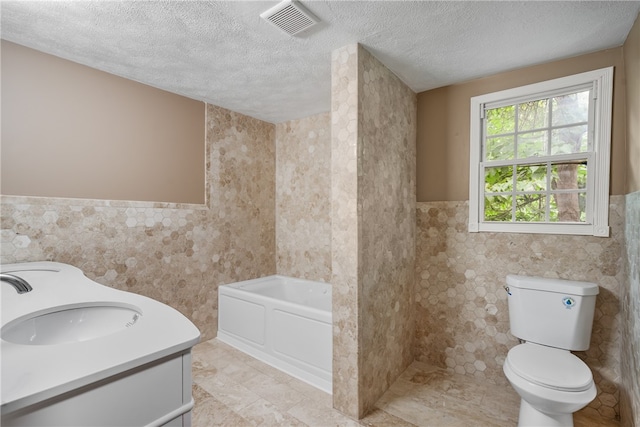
{"x":21,"y":285}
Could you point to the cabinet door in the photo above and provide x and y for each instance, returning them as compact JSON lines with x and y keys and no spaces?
{"x":137,"y":397}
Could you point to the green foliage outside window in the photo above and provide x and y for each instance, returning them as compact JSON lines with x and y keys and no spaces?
{"x":537,"y":187}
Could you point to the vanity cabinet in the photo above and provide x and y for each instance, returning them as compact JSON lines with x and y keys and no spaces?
{"x":155,"y":394}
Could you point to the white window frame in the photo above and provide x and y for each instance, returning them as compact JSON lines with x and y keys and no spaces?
{"x":599,"y":164}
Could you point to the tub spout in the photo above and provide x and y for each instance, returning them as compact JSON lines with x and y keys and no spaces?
{"x":21,"y":285}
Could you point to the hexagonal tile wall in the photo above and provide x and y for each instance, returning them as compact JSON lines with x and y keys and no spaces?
{"x":462,"y":315}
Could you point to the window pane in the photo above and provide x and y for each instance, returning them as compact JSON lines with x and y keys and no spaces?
{"x":531,"y":178}
{"x":572,"y":108}
{"x":497,"y":208}
{"x":569,"y":176}
{"x":532,"y":144}
{"x":533,"y":115}
{"x":500,"y":148}
{"x":501,"y":120}
{"x":530,"y":207}
{"x":568,"y":207}
{"x":498,"y":179}
{"x":534,"y":157}
{"x":574,"y":139}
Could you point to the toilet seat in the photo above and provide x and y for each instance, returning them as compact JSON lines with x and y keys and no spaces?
{"x":549,"y":367}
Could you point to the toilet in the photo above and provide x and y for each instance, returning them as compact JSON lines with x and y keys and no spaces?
{"x":552,"y":317}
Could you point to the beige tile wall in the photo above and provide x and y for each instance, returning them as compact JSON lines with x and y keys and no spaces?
{"x":303,"y":198}
{"x":344,"y":229}
{"x":462,"y":318}
{"x":630,"y":316}
{"x":373,"y":229}
{"x":387,"y":216}
{"x":177,"y":254}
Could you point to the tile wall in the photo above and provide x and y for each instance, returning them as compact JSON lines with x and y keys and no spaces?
{"x":303,"y":198}
{"x":373,"y":229}
{"x":177,"y":254}
{"x":462,"y":318}
{"x":630,"y":316}
{"x":344,"y":229}
{"x":387,"y":214}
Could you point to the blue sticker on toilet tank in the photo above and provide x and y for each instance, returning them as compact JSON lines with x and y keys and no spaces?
{"x":568,"y":302}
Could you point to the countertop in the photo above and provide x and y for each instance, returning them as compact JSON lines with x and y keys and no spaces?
{"x":33,"y":373}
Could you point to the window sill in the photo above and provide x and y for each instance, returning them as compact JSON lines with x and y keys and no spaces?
{"x":533,"y":228}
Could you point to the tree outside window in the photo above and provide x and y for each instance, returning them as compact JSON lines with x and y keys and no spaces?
{"x":540,"y":155}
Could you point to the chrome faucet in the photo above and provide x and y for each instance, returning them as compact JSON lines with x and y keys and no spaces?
{"x":21,"y":285}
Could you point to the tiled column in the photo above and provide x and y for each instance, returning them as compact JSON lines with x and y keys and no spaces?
{"x":373,"y":227}
{"x":344,"y":229}
{"x":387,"y":216}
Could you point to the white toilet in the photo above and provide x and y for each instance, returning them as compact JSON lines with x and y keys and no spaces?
{"x":552,"y":316}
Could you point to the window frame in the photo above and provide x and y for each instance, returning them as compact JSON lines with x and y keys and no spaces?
{"x":599,"y":157}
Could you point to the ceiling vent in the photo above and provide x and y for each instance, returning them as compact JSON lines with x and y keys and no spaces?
{"x":290,"y":16}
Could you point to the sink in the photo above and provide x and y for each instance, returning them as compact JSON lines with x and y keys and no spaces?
{"x":70,"y":324}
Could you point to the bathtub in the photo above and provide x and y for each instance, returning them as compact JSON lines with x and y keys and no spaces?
{"x":282,"y":321}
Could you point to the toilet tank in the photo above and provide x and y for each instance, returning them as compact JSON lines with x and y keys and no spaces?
{"x":552,"y":312}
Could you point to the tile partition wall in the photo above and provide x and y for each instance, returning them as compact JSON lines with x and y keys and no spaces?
{"x":373,"y":228}
{"x":387,"y":214}
{"x":462,"y":317}
{"x":344,"y":229}
{"x":630,"y":313}
{"x":303,"y":198}
{"x":177,"y":254}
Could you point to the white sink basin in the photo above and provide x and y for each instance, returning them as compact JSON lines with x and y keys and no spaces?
{"x":70,"y":324}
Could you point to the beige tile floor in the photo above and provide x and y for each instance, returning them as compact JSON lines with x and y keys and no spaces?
{"x":233,"y":389}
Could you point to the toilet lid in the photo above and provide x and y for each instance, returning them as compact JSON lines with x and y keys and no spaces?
{"x":549,"y":367}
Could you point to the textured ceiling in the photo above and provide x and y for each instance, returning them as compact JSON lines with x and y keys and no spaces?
{"x":223,"y":53}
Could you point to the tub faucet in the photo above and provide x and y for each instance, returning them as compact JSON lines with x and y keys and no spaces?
{"x":21,"y":285}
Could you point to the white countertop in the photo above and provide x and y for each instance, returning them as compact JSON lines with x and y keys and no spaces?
{"x":33,"y":373}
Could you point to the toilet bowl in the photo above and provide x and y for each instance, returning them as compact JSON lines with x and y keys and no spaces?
{"x":552,"y":384}
{"x":552,"y":317}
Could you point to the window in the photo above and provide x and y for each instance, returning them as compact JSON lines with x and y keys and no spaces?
{"x":540,"y":157}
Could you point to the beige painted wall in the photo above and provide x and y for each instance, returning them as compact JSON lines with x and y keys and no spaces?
{"x":443,"y":124}
{"x":631,"y":51}
{"x":73,"y":131}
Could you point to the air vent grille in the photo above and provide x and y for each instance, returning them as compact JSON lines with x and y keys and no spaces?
{"x":290,"y":16}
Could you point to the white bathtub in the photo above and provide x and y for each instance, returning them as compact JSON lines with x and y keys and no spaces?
{"x":282,"y":321}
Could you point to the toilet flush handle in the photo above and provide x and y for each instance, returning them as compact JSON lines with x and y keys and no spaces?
{"x":506,"y":288}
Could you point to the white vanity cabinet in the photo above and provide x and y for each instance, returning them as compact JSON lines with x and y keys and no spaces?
{"x":155,"y":394}
{"x":77,"y":353}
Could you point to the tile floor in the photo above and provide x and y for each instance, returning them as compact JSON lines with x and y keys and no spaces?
{"x":233,"y":389}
